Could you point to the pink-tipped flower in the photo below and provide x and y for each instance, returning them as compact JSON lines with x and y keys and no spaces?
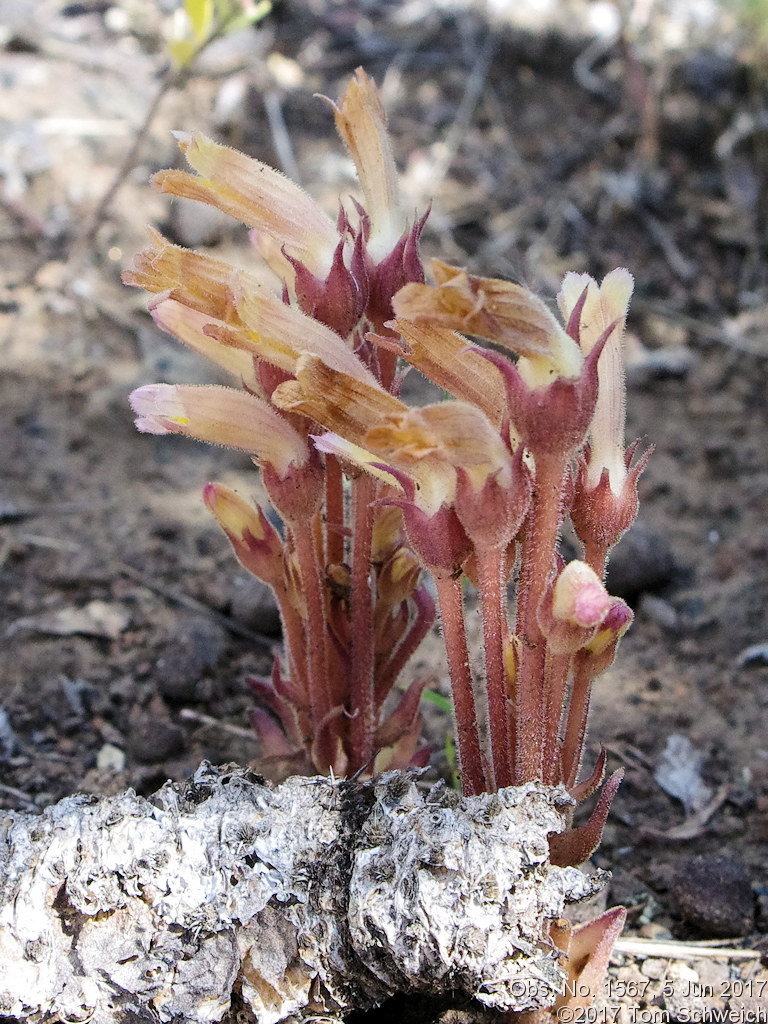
{"x":579,"y":597}
{"x":223,"y":416}
{"x":573,"y":608}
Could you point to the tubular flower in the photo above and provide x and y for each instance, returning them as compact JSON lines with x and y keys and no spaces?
{"x":255,"y":194}
{"x":605,"y":499}
{"x":488,"y":307}
{"x":428,"y":443}
{"x":604,"y":309}
{"x":220,"y":415}
{"x":362,"y":124}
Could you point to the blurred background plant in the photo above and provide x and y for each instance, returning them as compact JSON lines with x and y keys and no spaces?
{"x":193,"y":27}
{"x":201,"y":22}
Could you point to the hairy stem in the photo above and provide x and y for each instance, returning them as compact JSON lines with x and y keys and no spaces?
{"x":474,"y":778}
{"x":316,"y":640}
{"x":293,"y":644}
{"x":387,"y":677}
{"x":334,"y":511}
{"x":361,"y":685}
{"x":576,"y":725}
{"x":596,"y":557}
{"x":490,"y":570}
{"x":555,"y":681}
{"x":538,"y":559}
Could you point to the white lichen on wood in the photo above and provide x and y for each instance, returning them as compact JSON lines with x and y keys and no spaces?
{"x":308,"y":897}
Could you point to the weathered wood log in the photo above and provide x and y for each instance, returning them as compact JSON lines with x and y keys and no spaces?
{"x":308,"y":897}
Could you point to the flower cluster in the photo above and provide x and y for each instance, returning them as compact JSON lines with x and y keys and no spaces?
{"x":372,"y":491}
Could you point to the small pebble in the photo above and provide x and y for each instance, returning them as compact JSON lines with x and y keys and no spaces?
{"x":661,"y":364}
{"x":756,"y":654}
{"x":659,"y":611}
{"x":641,"y":561}
{"x":195,"y":645}
{"x":654,"y":968}
{"x":713,"y":895}
{"x":110,"y":758}
{"x":254,"y":605}
{"x":152,"y":740}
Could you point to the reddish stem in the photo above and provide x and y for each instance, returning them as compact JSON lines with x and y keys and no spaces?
{"x":538,"y":559}
{"x":293,"y":644}
{"x":556,"y":679}
{"x":596,"y":557}
{"x":490,"y":572}
{"x":334,"y":511}
{"x":316,"y":640}
{"x":576,"y":725}
{"x":473,"y":775}
{"x":361,"y":684}
{"x":409,"y":643}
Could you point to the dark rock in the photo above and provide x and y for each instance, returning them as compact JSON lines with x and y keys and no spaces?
{"x":713,"y":895}
{"x":642,"y":560}
{"x":154,"y":739}
{"x":661,"y":364}
{"x":254,"y":605}
{"x":195,"y":646}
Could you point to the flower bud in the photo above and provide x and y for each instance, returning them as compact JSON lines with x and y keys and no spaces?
{"x":257,"y":544}
{"x":573,"y":608}
{"x":601,"y":515}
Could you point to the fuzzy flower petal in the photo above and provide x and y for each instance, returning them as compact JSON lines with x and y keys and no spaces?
{"x":604,"y":305}
{"x":448,"y":360}
{"x":579,"y":597}
{"x":223,"y":416}
{"x":255,"y":194}
{"x":501,"y":311}
{"x":190,"y":326}
{"x":362,"y":124}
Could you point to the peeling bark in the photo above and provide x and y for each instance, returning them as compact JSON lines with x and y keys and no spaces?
{"x":308,"y":897}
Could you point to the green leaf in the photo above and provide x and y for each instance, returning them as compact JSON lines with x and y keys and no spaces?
{"x":181,"y":51}
{"x":200,"y":14}
{"x":249,"y":15}
{"x":450,"y":756}
{"x":444,"y":703}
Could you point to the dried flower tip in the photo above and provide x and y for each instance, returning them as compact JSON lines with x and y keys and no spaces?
{"x":501,"y":311}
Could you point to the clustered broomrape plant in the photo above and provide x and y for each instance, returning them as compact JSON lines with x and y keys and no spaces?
{"x":371,"y":491}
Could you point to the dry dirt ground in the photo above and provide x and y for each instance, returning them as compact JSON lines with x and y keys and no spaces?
{"x":124,"y":620}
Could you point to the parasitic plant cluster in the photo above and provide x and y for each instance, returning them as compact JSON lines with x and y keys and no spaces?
{"x":371,"y":491}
